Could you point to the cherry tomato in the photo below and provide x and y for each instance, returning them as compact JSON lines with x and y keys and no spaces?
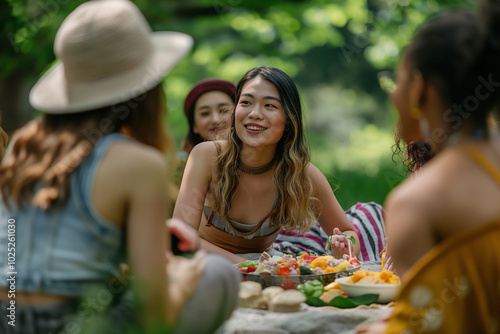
{"x":250,"y":269}
{"x":284,"y":271}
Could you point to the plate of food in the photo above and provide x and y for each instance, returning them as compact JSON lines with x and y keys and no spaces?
{"x":385,"y":284}
{"x":288,"y":271}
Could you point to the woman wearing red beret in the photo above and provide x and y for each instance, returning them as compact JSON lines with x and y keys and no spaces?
{"x":208,"y":107}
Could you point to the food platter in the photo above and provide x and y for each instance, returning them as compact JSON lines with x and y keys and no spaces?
{"x":292,"y":281}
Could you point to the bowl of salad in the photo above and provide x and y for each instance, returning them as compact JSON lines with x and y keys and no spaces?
{"x":288,"y":271}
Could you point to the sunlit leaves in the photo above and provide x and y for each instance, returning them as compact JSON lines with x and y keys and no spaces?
{"x":320,"y":43}
{"x":316,"y":16}
{"x":382,"y":53}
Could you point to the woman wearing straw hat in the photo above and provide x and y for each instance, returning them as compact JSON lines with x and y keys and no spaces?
{"x":79,"y":197}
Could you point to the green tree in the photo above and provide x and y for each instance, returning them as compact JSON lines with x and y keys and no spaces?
{"x":332,"y":48}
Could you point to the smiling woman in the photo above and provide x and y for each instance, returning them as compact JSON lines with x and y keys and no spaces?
{"x":208,"y":109}
{"x":259,"y":179}
{"x":259,"y":117}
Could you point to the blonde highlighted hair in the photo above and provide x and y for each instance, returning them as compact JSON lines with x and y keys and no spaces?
{"x":295,"y":207}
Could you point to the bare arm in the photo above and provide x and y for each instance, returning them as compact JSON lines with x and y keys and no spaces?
{"x":142,"y":205}
{"x":409,"y":226}
{"x":195,"y":183}
{"x":332,"y":215}
{"x":147,"y":238}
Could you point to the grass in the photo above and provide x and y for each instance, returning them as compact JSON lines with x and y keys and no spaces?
{"x":351,"y":186}
{"x":362,"y":168}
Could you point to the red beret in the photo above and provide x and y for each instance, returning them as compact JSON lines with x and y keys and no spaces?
{"x":205,"y":86}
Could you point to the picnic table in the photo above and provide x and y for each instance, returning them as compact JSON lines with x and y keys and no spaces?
{"x":309,"y":320}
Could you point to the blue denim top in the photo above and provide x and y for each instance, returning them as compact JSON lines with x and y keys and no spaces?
{"x":68,"y":248}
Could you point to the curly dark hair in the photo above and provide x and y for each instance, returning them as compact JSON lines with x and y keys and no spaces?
{"x":415,"y":154}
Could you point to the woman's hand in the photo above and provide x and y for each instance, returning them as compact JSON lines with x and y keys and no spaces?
{"x":340,"y":243}
{"x":386,"y":259}
{"x":184,"y":275}
{"x":188,"y":237}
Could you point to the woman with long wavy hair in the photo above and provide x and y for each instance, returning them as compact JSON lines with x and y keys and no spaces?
{"x":85,"y":189}
{"x":240,"y":192}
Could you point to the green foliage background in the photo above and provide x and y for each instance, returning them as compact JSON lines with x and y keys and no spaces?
{"x":333,"y":49}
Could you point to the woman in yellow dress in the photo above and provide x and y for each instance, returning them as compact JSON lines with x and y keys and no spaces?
{"x":443,"y":224}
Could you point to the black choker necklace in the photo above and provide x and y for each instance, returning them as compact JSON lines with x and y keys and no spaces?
{"x":255,"y":170}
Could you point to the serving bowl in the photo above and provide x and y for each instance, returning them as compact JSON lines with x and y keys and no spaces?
{"x":292,"y":281}
{"x":386,"y":292}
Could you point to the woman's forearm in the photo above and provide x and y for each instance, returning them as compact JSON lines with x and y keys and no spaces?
{"x":178,"y":295}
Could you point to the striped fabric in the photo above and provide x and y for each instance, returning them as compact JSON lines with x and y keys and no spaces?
{"x":313,"y":240}
{"x":368,"y":222}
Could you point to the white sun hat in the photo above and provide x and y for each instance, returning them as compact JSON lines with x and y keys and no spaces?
{"x":107,"y":54}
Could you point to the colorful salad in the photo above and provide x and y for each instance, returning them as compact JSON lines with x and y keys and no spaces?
{"x":305,"y":264}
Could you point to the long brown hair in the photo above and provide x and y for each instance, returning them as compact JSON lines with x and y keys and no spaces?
{"x":4,"y":139}
{"x":296,"y":207}
{"x":48,"y":149}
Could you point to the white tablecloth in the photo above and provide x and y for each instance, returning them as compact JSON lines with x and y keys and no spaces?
{"x":310,"y":320}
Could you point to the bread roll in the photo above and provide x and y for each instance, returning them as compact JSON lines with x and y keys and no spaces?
{"x":271,"y":292}
{"x":288,"y":301}
{"x":250,"y":295}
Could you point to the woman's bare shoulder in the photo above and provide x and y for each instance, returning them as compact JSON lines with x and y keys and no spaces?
{"x":313,"y":171}
{"x":136,"y":153}
{"x":206,"y":152}
{"x":208,"y":147}
{"x":431,"y":190}
{"x":129,"y":171}
{"x":316,"y":176}
{"x":130,"y":160}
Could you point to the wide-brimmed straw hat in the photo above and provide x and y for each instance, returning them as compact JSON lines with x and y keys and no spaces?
{"x":107,"y":54}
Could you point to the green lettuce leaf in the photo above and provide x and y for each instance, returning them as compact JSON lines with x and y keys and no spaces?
{"x":343,"y":302}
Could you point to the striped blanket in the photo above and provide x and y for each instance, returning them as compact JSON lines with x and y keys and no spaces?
{"x":368,"y":222}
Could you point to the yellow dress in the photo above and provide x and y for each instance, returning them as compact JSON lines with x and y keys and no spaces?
{"x":454,"y":288}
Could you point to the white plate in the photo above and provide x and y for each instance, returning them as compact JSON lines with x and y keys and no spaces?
{"x":386,"y":292}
